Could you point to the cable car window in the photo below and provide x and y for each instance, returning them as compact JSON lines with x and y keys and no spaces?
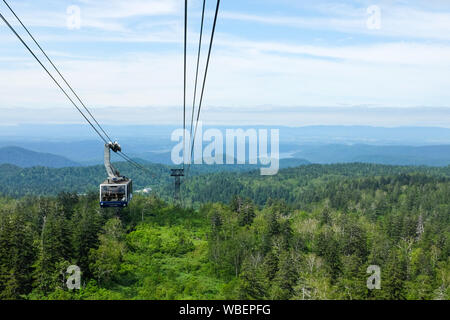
{"x":114,"y":193}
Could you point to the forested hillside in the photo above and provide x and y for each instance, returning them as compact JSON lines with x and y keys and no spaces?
{"x":308,"y":233}
{"x":204,"y":183}
{"x":42,"y":181}
{"x":18,"y":182}
{"x":303,"y":185}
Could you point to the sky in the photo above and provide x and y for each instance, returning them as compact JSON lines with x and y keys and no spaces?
{"x":274,"y":62}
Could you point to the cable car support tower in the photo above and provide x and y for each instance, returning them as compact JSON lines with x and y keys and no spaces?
{"x":177,"y":173}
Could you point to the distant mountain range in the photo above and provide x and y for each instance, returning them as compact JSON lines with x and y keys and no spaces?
{"x":25,"y":158}
{"x":294,"y":155}
{"x":158,"y":136}
{"x":318,"y":144}
{"x":390,"y":155}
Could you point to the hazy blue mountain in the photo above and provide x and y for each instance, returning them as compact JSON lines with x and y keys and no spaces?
{"x":317,"y":144}
{"x":392,"y":155}
{"x":414,"y":136}
{"x":158,"y":137}
{"x":157,"y":157}
{"x":25,"y":158}
{"x":293,"y":162}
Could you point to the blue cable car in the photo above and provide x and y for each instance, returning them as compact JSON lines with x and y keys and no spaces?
{"x":116,"y":194}
{"x":116,"y":191}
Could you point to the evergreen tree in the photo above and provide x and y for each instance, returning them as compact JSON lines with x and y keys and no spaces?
{"x":86,"y":224}
{"x":16,"y":256}
{"x":393,"y":283}
{"x":328,"y":248}
{"x":285,"y":279}
{"x":253,"y":283}
{"x":106,"y":259}
{"x":246,"y":213}
{"x":55,"y":251}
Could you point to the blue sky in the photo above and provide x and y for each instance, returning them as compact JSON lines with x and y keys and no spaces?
{"x":269,"y":55}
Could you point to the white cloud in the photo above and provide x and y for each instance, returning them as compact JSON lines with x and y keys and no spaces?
{"x":408,"y":53}
{"x":244,"y":73}
{"x":114,"y":9}
{"x":396,"y":21}
{"x":106,"y":15}
{"x":240,"y":77}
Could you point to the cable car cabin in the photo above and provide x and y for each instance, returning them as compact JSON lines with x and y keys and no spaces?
{"x":114,"y":194}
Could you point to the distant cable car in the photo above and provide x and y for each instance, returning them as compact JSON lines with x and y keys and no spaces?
{"x":116,"y":191}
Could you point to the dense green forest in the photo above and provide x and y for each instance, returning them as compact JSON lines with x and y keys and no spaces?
{"x":204,"y":183}
{"x":38,"y":181}
{"x":309,"y":232}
